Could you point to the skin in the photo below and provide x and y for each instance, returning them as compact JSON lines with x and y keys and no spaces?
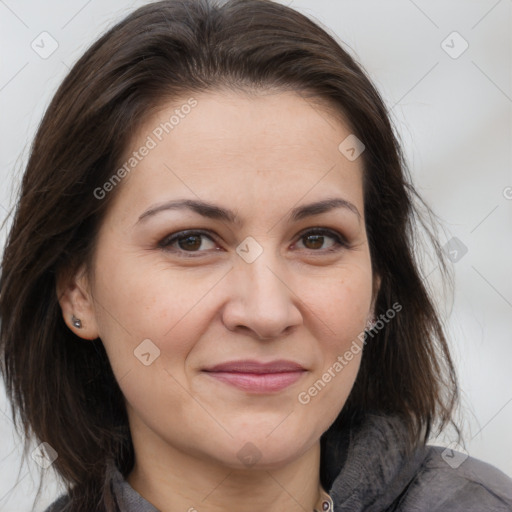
{"x":260,"y":155}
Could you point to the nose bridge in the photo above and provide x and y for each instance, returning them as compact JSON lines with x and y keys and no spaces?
{"x":263,"y":300}
{"x":263,"y":280}
{"x":259,"y":262}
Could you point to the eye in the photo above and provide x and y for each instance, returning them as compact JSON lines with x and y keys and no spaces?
{"x":314,"y":239}
{"x":195,"y":241}
{"x":187,"y":241}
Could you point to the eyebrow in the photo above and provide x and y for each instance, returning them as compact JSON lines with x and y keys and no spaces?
{"x":213,"y":211}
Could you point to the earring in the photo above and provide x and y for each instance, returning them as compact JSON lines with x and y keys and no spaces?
{"x":76,"y":322}
{"x":370,"y":324}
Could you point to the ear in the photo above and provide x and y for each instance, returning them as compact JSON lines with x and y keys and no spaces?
{"x":75,"y":298}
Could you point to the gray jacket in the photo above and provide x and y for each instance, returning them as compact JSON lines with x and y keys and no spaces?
{"x":365,"y":468}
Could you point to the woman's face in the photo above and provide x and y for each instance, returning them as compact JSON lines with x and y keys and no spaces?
{"x":264,"y":277}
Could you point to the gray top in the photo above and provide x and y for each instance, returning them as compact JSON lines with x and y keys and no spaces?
{"x":366,"y":469}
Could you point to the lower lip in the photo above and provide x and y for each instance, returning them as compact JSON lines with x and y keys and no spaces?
{"x":258,"y":382}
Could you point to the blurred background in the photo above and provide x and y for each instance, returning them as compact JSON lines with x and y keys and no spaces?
{"x":444,"y":70}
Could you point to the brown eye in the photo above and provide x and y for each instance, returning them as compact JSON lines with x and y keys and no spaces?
{"x":315,"y":239}
{"x":187,"y":241}
{"x":191,"y":242}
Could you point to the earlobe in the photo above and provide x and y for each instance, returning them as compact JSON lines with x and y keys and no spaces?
{"x":77,"y":305}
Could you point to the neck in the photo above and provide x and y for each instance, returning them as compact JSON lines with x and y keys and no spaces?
{"x":172,"y":480}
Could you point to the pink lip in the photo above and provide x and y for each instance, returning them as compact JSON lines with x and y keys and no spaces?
{"x":251,"y":366}
{"x":257,"y":377}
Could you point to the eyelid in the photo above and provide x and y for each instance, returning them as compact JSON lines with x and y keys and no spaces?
{"x":323,"y":231}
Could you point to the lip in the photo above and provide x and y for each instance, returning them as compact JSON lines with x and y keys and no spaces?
{"x":252,"y":366}
{"x":257,"y":377}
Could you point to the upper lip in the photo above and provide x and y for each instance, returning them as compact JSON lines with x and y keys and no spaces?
{"x":252,"y":366}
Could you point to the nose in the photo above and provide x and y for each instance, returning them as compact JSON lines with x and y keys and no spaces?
{"x":261,"y":298}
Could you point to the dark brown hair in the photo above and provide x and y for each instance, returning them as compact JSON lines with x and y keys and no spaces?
{"x":63,"y":391}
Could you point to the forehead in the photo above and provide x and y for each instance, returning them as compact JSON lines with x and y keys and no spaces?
{"x":241,"y":147}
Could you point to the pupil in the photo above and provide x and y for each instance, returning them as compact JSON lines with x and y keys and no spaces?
{"x":317,"y":241}
{"x":188,"y":242}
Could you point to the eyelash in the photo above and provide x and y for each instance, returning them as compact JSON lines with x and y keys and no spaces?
{"x":165,"y":243}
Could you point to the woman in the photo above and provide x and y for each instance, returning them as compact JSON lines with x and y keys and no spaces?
{"x":209,"y":298}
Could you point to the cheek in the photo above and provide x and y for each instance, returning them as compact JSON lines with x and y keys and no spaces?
{"x":340,"y":304}
{"x":326,"y":392}
{"x":145,"y":299}
{"x":170,"y":307}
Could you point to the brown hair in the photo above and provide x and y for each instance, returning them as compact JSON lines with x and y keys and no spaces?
{"x":64,"y":391}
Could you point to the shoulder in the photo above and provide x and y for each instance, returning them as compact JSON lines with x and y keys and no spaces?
{"x":61,"y":504}
{"x":450,"y":480}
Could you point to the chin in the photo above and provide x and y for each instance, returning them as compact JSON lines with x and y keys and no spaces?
{"x":258,"y":450}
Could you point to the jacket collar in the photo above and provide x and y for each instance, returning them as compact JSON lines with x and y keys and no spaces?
{"x":367,"y":466}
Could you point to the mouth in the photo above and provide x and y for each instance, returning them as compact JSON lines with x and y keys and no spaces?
{"x":257,"y":377}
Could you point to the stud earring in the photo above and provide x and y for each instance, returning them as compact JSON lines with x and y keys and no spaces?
{"x":76,"y":322}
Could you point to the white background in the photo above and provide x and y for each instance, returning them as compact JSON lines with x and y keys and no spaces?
{"x":454,"y":116}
